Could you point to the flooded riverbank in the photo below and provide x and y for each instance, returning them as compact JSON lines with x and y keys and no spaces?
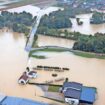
{"x":86,"y":27}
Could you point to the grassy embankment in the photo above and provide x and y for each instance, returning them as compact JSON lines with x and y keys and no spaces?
{"x":45,"y":50}
{"x":76,"y":52}
{"x":54,"y":88}
{"x":88,"y":54}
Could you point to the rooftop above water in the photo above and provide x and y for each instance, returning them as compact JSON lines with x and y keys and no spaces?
{"x":7,"y":100}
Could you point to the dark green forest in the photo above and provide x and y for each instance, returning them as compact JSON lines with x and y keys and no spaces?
{"x":19,"y":22}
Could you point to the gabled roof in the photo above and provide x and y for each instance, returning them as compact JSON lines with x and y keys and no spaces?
{"x":72,"y":93}
{"x":88,"y":94}
{"x":73,"y":85}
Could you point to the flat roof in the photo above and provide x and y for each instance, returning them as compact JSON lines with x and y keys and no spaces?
{"x":72,"y":93}
{"x":88,"y":94}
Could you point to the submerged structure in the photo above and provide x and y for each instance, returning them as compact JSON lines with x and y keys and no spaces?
{"x":6,"y":100}
{"x":26,"y":76}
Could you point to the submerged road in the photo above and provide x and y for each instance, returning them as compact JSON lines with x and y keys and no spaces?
{"x":33,"y":32}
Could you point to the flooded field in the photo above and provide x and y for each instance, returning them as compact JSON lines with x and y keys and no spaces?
{"x":86,"y":28}
{"x":14,"y":60}
{"x":53,"y":41}
{"x":13,"y":63}
{"x":90,"y":72}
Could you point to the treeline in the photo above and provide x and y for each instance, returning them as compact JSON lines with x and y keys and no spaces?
{"x":60,"y":33}
{"x":19,"y":22}
{"x":97,"y":18}
{"x":90,"y":43}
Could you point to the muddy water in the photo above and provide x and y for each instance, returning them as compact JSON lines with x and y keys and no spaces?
{"x":53,"y":41}
{"x":90,"y":72}
{"x":14,"y":59}
{"x":86,"y":28}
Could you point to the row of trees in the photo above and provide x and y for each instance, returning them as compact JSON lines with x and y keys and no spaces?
{"x":19,"y":22}
{"x":60,"y":33}
{"x":90,"y":43}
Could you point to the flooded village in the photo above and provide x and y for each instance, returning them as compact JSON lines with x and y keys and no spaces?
{"x":82,"y":75}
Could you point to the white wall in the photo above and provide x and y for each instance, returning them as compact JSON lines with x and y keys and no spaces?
{"x":70,"y":100}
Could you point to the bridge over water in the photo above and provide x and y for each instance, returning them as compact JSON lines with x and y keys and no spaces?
{"x":34,"y":28}
{"x":33,"y":32}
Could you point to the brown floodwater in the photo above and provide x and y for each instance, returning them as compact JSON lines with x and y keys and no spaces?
{"x":53,"y":41}
{"x":14,"y":59}
{"x":89,"y":71}
{"x":13,"y":62}
{"x":86,"y":28}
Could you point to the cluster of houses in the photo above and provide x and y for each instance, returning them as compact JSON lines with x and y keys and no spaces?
{"x":26,"y":76}
{"x":77,"y":94}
